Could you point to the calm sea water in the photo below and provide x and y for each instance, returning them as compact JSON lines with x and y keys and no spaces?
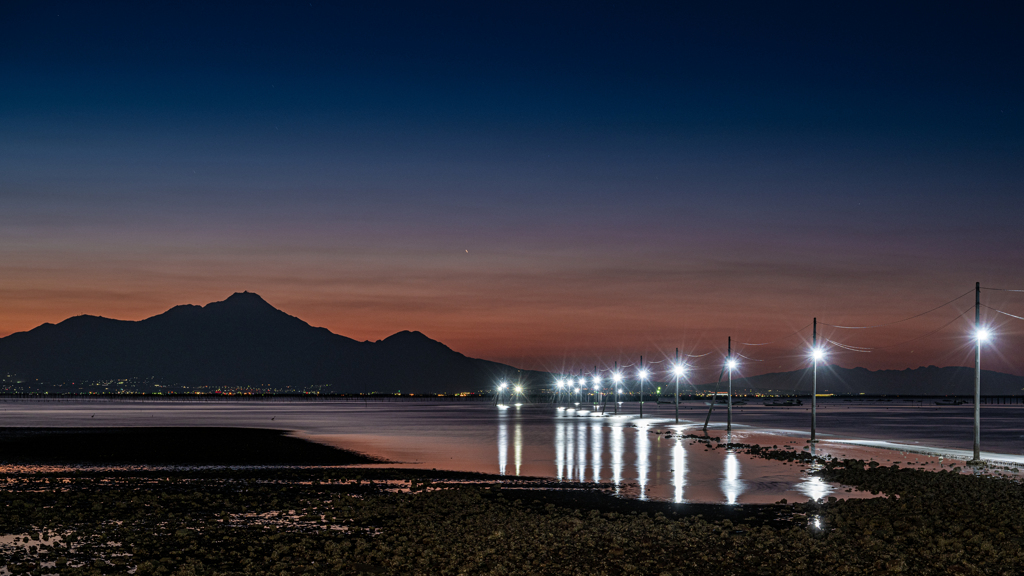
{"x":635,"y":455}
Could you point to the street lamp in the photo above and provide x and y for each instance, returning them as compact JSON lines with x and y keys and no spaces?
{"x":597,"y":387}
{"x":817,"y":355}
{"x":642,"y":375}
{"x":731,"y":364}
{"x":617,"y":379}
{"x":678,"y":370}
{"x":501,"y":389}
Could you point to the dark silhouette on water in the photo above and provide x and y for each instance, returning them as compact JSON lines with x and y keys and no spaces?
{"x":166,"y":446}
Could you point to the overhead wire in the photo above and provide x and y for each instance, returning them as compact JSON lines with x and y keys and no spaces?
{"x":779,"y":340}
{"x":1004,"y":313}
{"x":898,"y":321}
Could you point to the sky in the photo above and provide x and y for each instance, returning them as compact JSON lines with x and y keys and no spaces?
{"x":552,"y":185}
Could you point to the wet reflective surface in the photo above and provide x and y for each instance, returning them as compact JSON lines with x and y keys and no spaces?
{"x":649,"y":458}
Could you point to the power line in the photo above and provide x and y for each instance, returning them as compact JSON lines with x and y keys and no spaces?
{"x":957,"y":317}
{"x":1002,"y":289}
{"x":1004,"y":313}
{"x":903,"y":320}
{"x":774,"y":341}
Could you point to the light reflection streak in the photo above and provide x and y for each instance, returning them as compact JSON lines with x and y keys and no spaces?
{"x":581,"y":454}
{"x":596,"y":449}
{"x":502,"y":443}
{"x":679,"y":470}
{"x":617,"y":442}
{"x":518,"y":443}
{"x":732,"y":486}
{"x":560,"y":448}
{"x":814,"y":487}
{"x":643,"y":449}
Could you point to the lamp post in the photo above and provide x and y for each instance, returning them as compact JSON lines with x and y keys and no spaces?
{"x":501,"y":391}
{"x":730,"y":364}
{"x":617,"y":382}
{"x":817,"y":354}
{"x":561,"y":385}
{"x":980,"y":335}
{"x":597,"y":385}
{"x":642,"y":374}
{"x":678,"y":371}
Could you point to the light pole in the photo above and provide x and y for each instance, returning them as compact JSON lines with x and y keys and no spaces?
{"x":617,"y":380}
{"x":561,"y":385}
{"x":678,"y":371}
{"x":730,"y":364}
{"x":642,"y":374}
{"x":817,"y":354}
{"x":981,"y":335}
{"x":597,"y":386}
{"x":501,"y":392}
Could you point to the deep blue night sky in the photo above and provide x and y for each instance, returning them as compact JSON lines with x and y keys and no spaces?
{"x":546,"y":186}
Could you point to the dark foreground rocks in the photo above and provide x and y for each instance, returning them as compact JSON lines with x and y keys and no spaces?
{"x":346,"y":521}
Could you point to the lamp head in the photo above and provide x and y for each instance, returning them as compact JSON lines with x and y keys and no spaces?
{"x":679,"y":370}
{"x":502,"y":386}
{"x":818,"y":354}
{"x":617,"y":377}
{"x":519,"y":389}
{"x":731,"y":364}
{"x":643,"y":373}
{"x":982,"y":334}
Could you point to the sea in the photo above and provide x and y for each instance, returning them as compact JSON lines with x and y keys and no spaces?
{"x":653,"y":457}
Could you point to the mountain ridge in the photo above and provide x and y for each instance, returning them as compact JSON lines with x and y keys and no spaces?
{"x":241,"y":341}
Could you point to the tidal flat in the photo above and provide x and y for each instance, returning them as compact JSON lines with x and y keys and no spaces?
{"x":348,"y":520}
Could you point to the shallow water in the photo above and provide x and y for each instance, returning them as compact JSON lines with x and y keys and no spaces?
{"x":641,"y":458}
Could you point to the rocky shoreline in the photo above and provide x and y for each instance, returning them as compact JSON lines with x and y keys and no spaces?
{"x":329,"y":520}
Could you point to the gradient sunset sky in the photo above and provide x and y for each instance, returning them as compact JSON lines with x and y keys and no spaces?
{"x":554,"y":186}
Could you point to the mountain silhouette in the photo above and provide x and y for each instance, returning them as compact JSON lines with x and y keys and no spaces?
{"x":241,"y":341}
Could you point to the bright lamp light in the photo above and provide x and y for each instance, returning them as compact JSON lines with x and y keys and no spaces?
{"x":982,"y":335}
{"x":818,"y":354}
{"x":519,"y":389}
{"x":731,"y":364}
{"x":679,"y":370}
{"x":502,"y":386}
{"x":561,"y":383}
{"x":642,"y":374}
{"x":617,"y":377}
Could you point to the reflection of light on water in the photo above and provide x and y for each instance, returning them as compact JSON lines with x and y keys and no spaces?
{"x":643,"y":462}
{"x":679,"y":469}
{"x":817,"y":522}
{"x":596,"y":450}
{"x":732,"y":486}
{"x":814,"y":487}
{"x":581,"y":452}
{"x":617,"y":448}
{"x":519,"y":444}
{"x":560,"y":448}
{"x":502,"y":444}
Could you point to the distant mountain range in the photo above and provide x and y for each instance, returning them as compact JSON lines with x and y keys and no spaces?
{"x":240,"y":342}
{"x":244,"y":343}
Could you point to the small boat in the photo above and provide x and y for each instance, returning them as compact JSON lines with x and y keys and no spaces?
{"x":950,"y":402}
